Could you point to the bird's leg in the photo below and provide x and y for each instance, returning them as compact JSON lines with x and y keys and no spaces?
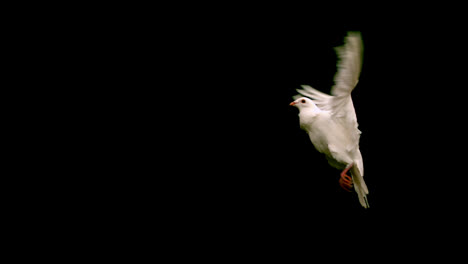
{"x":346,"y":182}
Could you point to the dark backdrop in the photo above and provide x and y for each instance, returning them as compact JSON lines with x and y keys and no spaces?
{"x":171,"y":129}
{"x":209,"y":140}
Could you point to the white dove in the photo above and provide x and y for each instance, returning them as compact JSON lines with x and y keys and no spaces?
{"x":330,"y":120}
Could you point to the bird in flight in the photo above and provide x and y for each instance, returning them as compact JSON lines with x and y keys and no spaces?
{"x":330,"y":120}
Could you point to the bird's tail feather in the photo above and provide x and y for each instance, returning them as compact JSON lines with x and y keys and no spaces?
{"x":360,"y":187}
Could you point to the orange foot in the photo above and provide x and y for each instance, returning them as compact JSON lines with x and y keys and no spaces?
{"x":346,"y":182}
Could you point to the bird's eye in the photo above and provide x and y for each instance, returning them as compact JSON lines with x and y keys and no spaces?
{"x":303,"y":101}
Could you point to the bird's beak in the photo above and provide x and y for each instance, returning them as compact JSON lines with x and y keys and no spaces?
{"x":292,"y":103}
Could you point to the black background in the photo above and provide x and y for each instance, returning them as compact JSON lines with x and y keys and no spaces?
{"x":224,"y":89}
{"x":173,"y":126}
{"x":194,"y":130}
{"x":232,"y":154}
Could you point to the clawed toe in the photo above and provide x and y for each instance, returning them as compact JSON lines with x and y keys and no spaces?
{"x":346,"y":183}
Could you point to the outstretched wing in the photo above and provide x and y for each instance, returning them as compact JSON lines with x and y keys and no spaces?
{"x":340,"y":103}
{"x":349,"y":65}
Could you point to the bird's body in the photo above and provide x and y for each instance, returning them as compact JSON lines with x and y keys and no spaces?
{"x":328,"y":137}
{"x":330,"y":120}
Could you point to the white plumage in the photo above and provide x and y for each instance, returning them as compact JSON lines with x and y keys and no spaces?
{"x":330,"y":120}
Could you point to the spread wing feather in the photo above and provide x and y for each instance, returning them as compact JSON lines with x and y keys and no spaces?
{"x":349,"y":65}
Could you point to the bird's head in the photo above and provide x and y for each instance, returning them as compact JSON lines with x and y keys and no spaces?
{"x":304,"y":103}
